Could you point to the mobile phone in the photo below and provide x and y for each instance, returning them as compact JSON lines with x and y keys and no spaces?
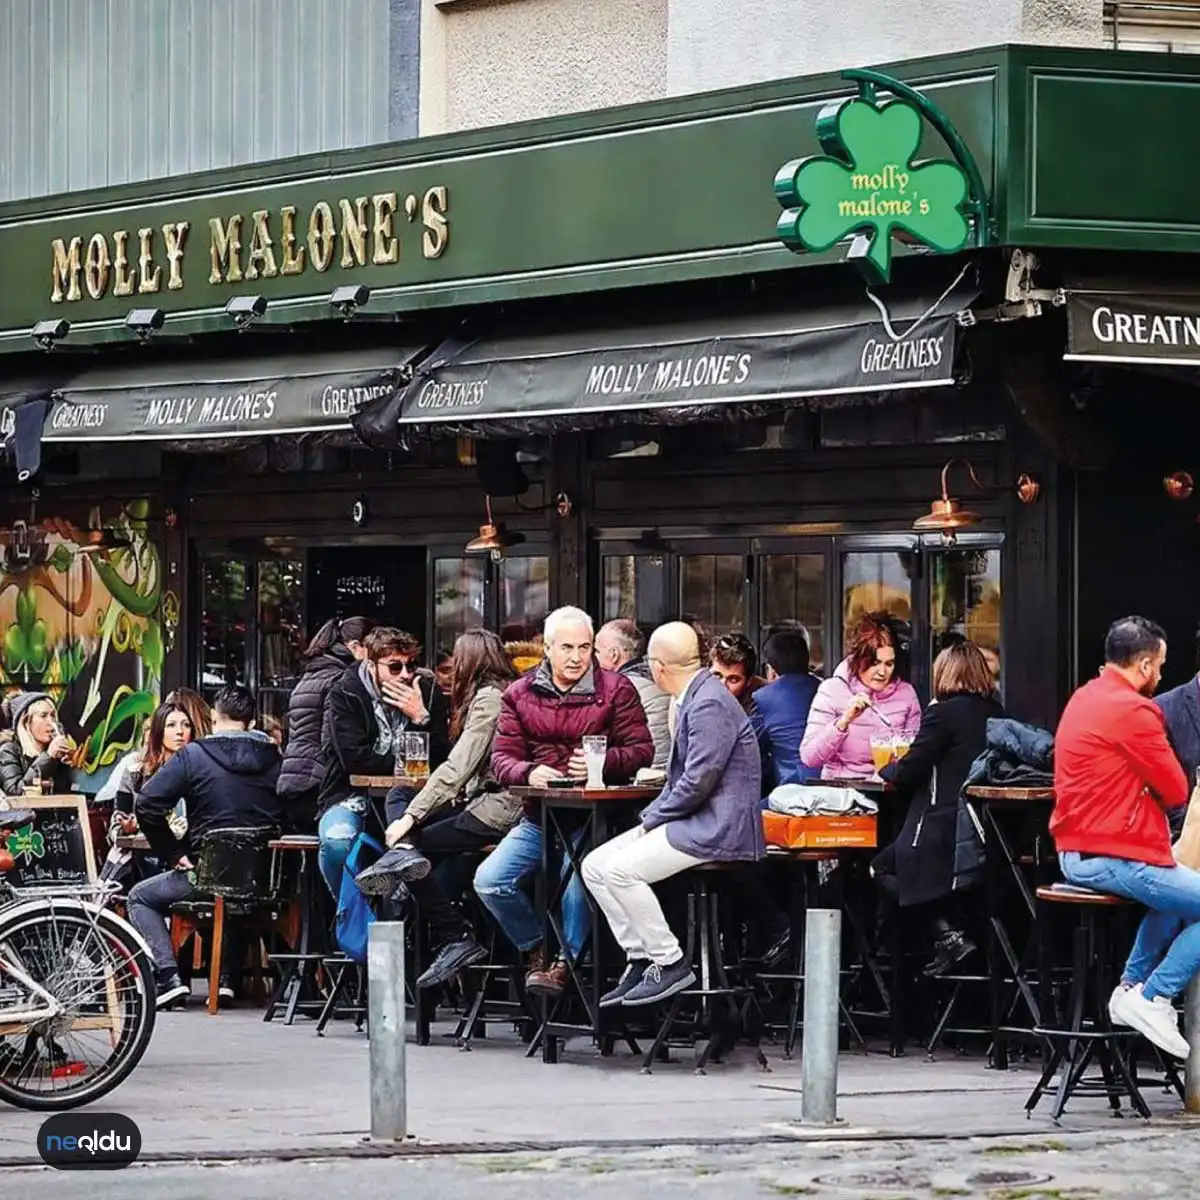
{"x":563,"y":783}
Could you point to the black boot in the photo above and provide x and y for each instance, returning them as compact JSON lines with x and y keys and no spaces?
{"x":950,"y":947}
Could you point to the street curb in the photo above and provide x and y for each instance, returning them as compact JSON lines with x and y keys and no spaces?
{"x":414,"y":1148}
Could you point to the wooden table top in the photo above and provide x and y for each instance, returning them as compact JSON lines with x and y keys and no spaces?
{"x":981,"y":792}
{"x":866,"y":786}
{"x":586,"y":795}
{"x":132,"y":841}
{"x":379,"y":782}
{"x":294,"y":842}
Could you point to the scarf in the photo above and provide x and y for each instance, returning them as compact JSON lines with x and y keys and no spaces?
{"x":389,"y":720}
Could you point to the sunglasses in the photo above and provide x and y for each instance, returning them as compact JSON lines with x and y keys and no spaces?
{"x":399,"y":668}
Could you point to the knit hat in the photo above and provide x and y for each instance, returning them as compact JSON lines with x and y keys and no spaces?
{"x":20,"y":703}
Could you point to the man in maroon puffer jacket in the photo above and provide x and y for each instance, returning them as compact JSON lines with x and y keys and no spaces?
{"x":544,"y":718}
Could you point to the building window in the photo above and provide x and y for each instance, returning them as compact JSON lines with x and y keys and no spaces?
{"x":1159,"y":26}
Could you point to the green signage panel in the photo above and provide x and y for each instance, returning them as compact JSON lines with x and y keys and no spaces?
{"x":870,"y":182}
{"x":655,"y":193}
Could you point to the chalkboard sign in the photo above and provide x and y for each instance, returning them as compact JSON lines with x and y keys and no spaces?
{"x":55,"y":847}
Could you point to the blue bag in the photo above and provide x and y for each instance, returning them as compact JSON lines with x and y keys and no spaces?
{"x":354,"y":915}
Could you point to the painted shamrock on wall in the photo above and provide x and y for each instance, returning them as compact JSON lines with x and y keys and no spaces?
{"x":867,"y":183}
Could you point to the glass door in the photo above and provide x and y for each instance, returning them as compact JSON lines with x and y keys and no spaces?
{"x":793,"y":589}
{"x":714,"y":586}
{"x":252,"y":626}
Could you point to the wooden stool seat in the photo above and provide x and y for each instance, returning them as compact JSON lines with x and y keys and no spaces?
{"x":1068,"y":893}
{"x":801,"y":854}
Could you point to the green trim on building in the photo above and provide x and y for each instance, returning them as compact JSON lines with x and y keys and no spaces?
{"x":663,"y":192}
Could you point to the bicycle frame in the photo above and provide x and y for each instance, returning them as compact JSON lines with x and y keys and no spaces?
{"x":9,"y":1016}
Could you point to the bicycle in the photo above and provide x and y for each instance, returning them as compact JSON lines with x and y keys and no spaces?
{"x":77,"y":992}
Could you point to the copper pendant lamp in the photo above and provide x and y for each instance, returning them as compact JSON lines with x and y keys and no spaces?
{"x":493,"y":538}
{"x":946,"y":515}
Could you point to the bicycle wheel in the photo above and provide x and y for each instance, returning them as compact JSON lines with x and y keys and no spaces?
{"x":88,"y":959}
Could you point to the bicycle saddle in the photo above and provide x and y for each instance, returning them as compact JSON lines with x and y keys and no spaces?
{"x":14,"y":818}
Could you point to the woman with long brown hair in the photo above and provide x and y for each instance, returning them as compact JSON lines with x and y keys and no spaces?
{"x":479,"y":814}
{"x":170,"y":730}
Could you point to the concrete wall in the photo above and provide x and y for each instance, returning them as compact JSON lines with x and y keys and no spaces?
{"x":486,"y":62}
{"x":489,"y":62}
{"x":715,"y":43}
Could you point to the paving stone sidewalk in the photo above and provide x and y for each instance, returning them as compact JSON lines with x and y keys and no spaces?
{"x":229,"y":1086}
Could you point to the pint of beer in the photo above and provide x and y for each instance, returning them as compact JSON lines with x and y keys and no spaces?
{"x":416,"y":756}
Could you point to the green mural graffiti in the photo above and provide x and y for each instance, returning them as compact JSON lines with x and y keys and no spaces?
{"x":84,"y":617}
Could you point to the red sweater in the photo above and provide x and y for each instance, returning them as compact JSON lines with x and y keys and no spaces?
{"x":1115,"y":774}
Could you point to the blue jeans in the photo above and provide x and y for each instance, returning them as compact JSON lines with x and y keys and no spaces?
{"x":1166,"y":952}
{"x":498,"y":883}
{"x":339,"y":825}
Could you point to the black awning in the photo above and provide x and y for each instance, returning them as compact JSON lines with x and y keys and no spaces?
{"x":1134,"y":326}
{"x":569,"y":377}
{"x":225,"y":398}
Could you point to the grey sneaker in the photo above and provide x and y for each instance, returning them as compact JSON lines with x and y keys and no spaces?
{"x":398,"y":865}
{"x":660,"y":983}
{"x":171,"y":989}
{"x":630,"y":978}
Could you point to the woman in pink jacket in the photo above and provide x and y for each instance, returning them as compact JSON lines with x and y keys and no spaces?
{"x":864,"y":699}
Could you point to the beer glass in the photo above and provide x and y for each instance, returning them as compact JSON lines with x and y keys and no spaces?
{"x":882,"y":750}
{"x":594,"y":749}
{"x":416,"y":756}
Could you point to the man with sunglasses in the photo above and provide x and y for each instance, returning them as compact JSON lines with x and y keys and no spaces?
{"x":367,"y":710}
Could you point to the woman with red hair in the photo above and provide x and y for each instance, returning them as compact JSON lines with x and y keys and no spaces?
{"x":863,"y":700}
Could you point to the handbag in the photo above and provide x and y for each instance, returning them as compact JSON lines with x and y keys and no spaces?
{"x":1187,"y":848}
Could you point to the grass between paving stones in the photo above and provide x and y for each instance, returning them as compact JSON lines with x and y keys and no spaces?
{"x":1043,"y":1193}
{"x":1027,"y":1148}
{"x":791,"y":1189}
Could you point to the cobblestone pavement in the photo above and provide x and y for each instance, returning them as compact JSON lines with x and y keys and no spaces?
{"x":1125,"y":1163}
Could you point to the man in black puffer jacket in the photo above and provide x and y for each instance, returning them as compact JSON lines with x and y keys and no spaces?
{"x":336,"y":646}
{"x":228,"y":782}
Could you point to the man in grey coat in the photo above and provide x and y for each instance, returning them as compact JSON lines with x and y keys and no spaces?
{"x":709,"y":811}
{"x":620,"y":646}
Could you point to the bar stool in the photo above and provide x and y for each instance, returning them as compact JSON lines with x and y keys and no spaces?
{"x":344,"y":974}
{"x":1088,"y":1034}
{"x":713,"y":991}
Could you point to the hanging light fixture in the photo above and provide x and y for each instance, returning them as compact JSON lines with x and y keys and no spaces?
{"x":947,"y":516}
{"x":1179,"y":485}
{"x":493,"y":538}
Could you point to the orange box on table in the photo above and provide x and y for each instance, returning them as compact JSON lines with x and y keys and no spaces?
{"x":819,"y":832}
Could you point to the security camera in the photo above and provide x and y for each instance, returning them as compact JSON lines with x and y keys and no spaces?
{"x":144,"y":321}
{"x":246,"y":309}
{"x":349,"y":298}
{"x":46,"y":333}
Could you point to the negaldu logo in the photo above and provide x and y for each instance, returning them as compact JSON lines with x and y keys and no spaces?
{"x":89,"y":1141}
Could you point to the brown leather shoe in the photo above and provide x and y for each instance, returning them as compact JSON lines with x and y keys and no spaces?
{"x":535,"y":965}
{"x":552,"y":982}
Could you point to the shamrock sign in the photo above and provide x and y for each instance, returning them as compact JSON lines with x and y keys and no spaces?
{"x":868,"y":183}
{"x":26,"y":842}
{"x":26,"y":648}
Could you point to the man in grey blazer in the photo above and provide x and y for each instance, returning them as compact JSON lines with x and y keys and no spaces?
{"x":1181,"y":707}
{"x":709,"y":811}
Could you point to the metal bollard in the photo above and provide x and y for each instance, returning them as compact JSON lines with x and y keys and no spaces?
{"x":1191,"y":1026}
{"x":385,"y":989}
{"x":822,"y":989}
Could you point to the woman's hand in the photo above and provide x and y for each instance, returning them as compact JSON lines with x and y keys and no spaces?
{"x":858,"y":706}
{"x":60,"y":747}
{"x":398,"y":830}
{"x":127,"y":823}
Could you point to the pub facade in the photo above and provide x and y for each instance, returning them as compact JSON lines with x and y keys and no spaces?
{"x":664,"y":381}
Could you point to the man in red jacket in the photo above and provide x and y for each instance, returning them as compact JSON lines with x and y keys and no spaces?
{"x":1115,"y":778}
{"x":544,"y":717}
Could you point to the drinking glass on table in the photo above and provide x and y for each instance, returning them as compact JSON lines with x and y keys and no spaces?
{"x":416,"y":756}
{"x":883,"y":750}
{"x":595,"y":747}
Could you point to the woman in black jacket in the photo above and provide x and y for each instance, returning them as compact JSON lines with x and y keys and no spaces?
{"x":336,"y":646}
{"x":917,"y":869}
{"x":38,"y":750}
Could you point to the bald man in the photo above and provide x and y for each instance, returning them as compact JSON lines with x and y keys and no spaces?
{"x":709,"y":811}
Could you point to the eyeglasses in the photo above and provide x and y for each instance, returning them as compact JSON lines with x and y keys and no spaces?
{"x":399,"y":668}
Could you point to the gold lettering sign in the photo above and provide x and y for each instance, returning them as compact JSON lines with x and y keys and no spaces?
{"x":367,"y":230}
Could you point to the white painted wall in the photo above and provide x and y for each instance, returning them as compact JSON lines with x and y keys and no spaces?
{"x":489,"y":62}
{"x":716,"y":43}
{"x":485,"y":62}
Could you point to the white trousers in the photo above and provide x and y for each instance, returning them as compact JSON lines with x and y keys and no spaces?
{"x":619,"y":874}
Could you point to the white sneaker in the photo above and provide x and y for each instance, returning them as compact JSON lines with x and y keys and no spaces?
{"x":1116,"y":1002}
{"x":1155,"y":1020}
